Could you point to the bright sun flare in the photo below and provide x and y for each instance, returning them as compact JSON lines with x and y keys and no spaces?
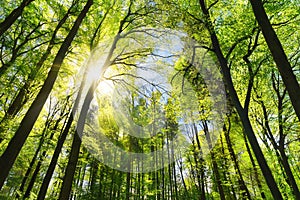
{"x":106,"y":87}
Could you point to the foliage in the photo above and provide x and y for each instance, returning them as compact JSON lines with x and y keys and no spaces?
{"x":228,"y":169}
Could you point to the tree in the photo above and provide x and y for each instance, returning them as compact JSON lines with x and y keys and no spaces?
{"x":20,"y":98}
{"x":9,"y":156}
{"x":241,"y":111}
{"x":13,"y":16}
{"x":279,"y":57}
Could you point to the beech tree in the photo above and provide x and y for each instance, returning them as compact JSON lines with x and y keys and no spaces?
{"x":116,"y":99}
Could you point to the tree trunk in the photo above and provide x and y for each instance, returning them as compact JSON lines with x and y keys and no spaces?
{"x":94,"y":175}
{"x":279,"y":56}
{"x":42,"y":157}
{"x":101,"y":178}
{"x":15,"y":145}
{"x":127,"y":191}
{"x":169,"y":171}
{"x":256,"y":175}
{"x":226,"y":174}
{"x":33,"y":160}
{"x":13,"y":16}
{"x":236,"y":102}
{"x":243,"y":187}
{"x":71,"y":168}
{"x":174,"y":171}
{"x":34,"y":175}
{"x":200,"y":174}
{"x":50,"y":170}
{"x":214,"y":162}
{"x":111,"y":189}
{"x":279,"y":148}
{"x":289,"y":173}
{"x":162,"y":173}
{"x":180,"y":166}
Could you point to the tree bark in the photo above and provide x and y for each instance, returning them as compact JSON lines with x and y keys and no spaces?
{"x":256,"y":175}
{"x":71,"y":168}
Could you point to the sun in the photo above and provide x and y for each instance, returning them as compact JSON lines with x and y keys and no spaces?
{"x":95,"y":73}
{"x":105,"y":87}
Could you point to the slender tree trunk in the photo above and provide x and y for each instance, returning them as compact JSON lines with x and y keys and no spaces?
{"x":114,"y":182}
{"x":174,"y":171}
{"x":243,"y":187}
{"x":50,"y":170}
{"x":34,"y":175}
{"x":139,"y":186}
{"x":200,"y":175}
{"x":101,"y":178}
{"x":33,"y":160}
{"x":13,"y":16}
{"x":111,"y":189}
{"x":180,"y":166}
{"x":241,"y":111}
{"x":94,"y":175}
{"x":128,"y":174}
{"x":226,"y":174}
{"x":16,"y":143}
{"x":42,"y":157}
{"x":81,"y":175}
{"x":214,"y":162}
{"x":279,"y":56}
{"x":28,"y":171}
{"x":169,"y":171}
{"x":127,"y":191}
{"x":290,"y":177}
{"x":120,"y":178}
{"x":157,"y":177}
{"x":162,"y":172}
{"x":197,"y":173}
{"x":41,"y":143}
{"x":279,"y":148}
{"x":256,"y":175}
{"x":71,"y":168}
